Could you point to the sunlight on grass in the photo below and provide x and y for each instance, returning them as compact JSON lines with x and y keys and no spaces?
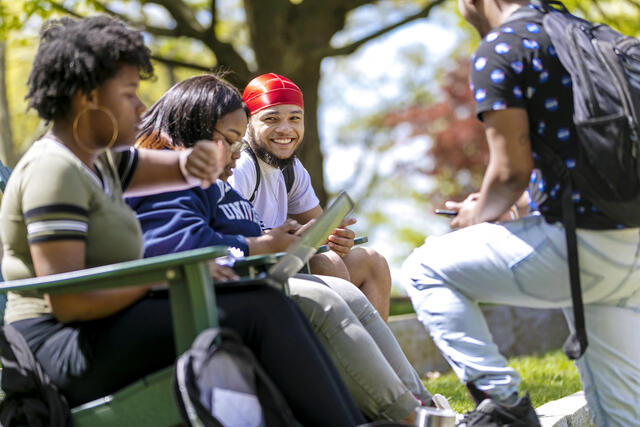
{"x":546,"y":377}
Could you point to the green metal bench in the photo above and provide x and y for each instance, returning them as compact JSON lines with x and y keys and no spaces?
{"x":253,"y":265}
{"x":149,"y":401}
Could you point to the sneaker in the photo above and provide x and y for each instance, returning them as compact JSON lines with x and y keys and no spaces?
{"x":490,"y":413}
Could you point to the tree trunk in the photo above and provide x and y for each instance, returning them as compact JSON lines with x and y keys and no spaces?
{"x":310,"y":153}
{"x":286,"y":40}
{"x":6,"y":140}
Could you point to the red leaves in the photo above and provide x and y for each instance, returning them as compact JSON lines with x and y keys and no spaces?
{"x":459,"y":151}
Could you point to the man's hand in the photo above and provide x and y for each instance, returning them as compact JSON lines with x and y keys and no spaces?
{"x":466,"y":211}
{"x":206,"y":161}
{"x":221,"y":273}
{"x":341,"y":240}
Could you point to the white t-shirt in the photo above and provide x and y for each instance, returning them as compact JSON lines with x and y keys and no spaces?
{"x":271,"y":201}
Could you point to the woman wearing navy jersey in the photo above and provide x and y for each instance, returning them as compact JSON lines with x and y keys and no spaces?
{"x":370,"y":361}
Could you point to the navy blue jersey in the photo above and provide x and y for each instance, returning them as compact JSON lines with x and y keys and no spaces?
{"x":195,"y":218}
{"x":516,"y":66}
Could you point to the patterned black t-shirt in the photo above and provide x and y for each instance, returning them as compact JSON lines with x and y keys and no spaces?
{"x":516,"y":66}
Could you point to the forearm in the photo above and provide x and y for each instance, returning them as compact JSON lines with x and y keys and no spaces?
{"x":270,"y":242}
{"x":93,"y":305}
{"x":499,"y":191}
{"x":158,"y":171}
{"x":510,"y":163}
{"x":305,"y":217}
{"x":261,"y":245}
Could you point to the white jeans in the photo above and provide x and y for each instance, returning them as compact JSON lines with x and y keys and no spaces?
{"x":523,"y":263}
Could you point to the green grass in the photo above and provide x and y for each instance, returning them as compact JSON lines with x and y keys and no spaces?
{"x":547,"y":377}
{"x":400,"y":306}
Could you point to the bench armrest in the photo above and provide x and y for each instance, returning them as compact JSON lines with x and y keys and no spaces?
{"x":128,"y":273}
{"x":190,"y":286}
{"x":253,"y":265}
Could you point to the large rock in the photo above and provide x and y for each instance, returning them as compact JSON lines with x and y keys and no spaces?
{"x":516,"y":331}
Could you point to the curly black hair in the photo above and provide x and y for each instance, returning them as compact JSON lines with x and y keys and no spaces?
{"x":81,"y":55}
{"x":188,"y":112}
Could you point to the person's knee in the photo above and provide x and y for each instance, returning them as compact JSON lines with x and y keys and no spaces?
{"x":367,"y":265}
{"x":420,"y":265}
{"x":324,"y":308}
{"x":355,"y":299}
{"x":329,"y":264}
{"x":365,"y":259}
{"x":377,"y":261}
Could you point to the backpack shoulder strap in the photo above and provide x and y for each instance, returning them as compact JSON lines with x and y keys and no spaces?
{"x":544,"y":6}
{"x":258,"y":173}
{"x":576,"y":344}
{"x":289,"y":176}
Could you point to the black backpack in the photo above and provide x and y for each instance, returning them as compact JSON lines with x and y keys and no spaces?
{"x":605,"y":70}
{"x":287,"y":172}
{"x":218,"y":382}
{"x":31,"y":398}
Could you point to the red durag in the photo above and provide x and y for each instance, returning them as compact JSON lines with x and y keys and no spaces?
{"x":271,"y":89}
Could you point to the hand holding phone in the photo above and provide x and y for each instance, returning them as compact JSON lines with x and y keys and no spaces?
{"x":446,"y":212}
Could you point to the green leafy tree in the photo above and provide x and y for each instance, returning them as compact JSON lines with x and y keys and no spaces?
{"x":454,"y":157}
{"x":620,"y":14}
{"x":290,"y":37}
{"x":8,"y":22}
{"x":458,"y":154}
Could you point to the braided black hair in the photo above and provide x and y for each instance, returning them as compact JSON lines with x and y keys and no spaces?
{"x":81,"y":55}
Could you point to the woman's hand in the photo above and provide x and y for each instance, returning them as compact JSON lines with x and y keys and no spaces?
{"x":284,"y":236}
{"x":205,"y":162}
{"x":221,"y":273}
{"x":277,"y":239}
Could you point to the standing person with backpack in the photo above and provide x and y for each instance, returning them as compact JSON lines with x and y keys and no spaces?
{"x":546,"y":128}
{"x":272,"y":178}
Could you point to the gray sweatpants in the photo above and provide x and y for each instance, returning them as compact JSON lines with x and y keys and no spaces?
{"x":380,"y":378}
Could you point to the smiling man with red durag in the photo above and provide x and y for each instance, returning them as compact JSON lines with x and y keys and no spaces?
{"x":272,"y":178}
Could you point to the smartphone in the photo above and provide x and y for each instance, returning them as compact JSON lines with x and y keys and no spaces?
{"x":446,"y":212}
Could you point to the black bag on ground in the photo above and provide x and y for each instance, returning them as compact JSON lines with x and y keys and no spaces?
{"x":605,"y":70}
{"x":220,"y":383}
{"x":31,"y":398}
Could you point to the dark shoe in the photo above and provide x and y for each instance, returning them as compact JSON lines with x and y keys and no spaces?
{"x":476,"y":394}
{"x":490,"y":413}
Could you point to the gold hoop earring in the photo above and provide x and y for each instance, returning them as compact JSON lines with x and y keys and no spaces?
{"x":109,"y":114}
